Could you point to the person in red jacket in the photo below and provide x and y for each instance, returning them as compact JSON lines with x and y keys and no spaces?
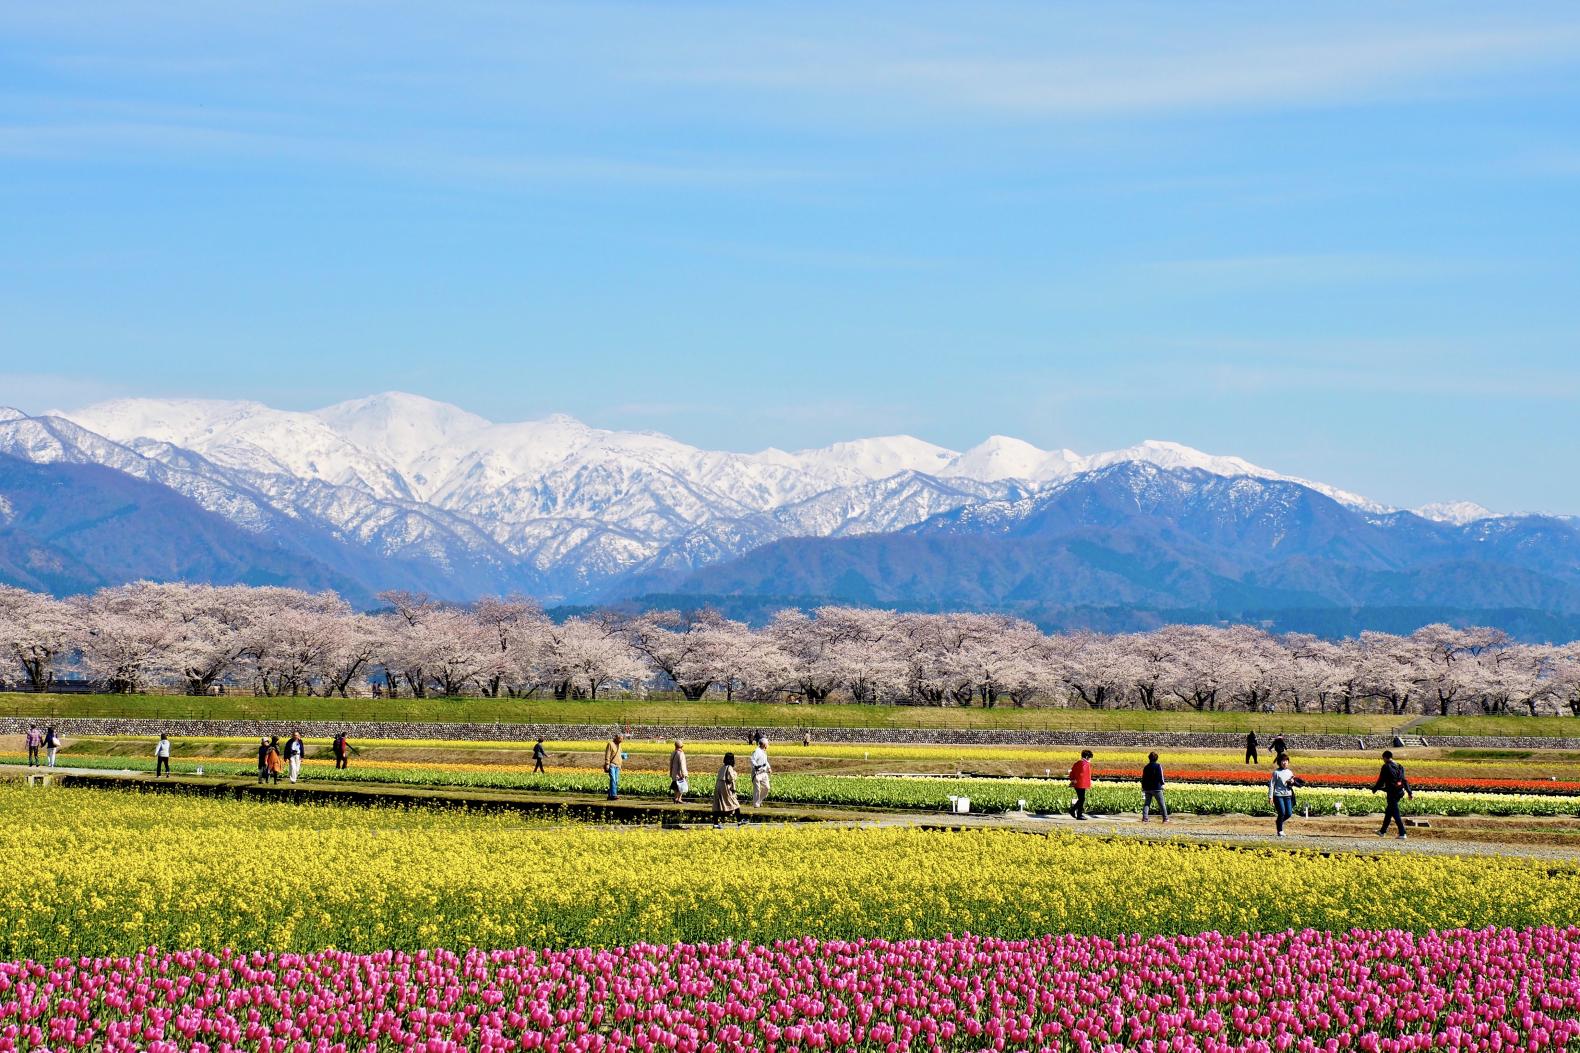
{"x":1081,"y":781}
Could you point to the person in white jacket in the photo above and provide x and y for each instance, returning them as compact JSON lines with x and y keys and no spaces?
{"x":294,"y":750}
{"x":761,"y":770}
{"x":1281,"y":793}
{"x":162,"y":756}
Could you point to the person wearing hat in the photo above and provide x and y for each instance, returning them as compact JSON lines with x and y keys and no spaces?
{"x":761,"y":770}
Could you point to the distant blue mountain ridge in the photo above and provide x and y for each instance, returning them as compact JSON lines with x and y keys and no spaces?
{"x":1129,"y":540}
{"x":1134,"y":545}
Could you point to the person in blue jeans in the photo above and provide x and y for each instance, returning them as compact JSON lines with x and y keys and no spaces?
{"x":612,"y":756}
{"x":1152,"y":789}
{"x":1281,"y":792}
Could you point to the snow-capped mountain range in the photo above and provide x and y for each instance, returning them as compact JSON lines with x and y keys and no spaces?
{"x":553,"y":506}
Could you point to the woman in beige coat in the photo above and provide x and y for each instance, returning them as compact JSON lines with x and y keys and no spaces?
{"x":679,"y":773}
{"x":724,"y":800}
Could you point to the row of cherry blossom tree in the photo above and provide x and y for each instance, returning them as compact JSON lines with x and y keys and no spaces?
{"x":279,"y":641}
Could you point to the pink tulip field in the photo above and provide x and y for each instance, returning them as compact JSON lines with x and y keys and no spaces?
{"x":1305,"y":991}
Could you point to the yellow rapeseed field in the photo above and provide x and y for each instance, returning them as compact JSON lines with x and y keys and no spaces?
{"x":88,"y":871}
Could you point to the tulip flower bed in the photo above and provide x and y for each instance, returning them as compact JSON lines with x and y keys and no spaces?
{"x":924,"y":793}
{"x":1448,"y":783}
{"x":98,"y":872}
{"x":1492,"y":990}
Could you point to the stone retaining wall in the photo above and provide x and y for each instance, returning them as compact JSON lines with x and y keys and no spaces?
{"x":1506,"y":742}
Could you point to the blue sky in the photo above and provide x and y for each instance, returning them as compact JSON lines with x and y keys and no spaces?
{"x":1339,"y":240}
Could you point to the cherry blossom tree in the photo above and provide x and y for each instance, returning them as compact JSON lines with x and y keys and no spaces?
{"x":676,"y":645}
{"x":1096,"y":669}
{"x":518,"y":626}
{"x":808,"y":646}
{"x":745,"y":664}
{"x":36,"y":632}
{"x":292,"y":637}
{"x":127,"y":639}
{"x":589,"y":655}
{"x":349,"y":655}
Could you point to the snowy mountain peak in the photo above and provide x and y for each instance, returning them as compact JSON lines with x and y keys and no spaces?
{"x":566,"y":506}
{"x":878,"y":458}
{"x":1001,"y":457}
{"x":1456,"y":512}
{"x":399,"y":426}
{"x":11,"y":413}
{"x":1176,"y":455}
{"x":184,"y":422}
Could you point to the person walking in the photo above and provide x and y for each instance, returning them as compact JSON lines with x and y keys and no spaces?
{"x":263,"y":759}
{"x":1392,"y":783}
{"x":539,"y":755}
{"x":612,"y":756}
{"x":162,"y":756}
{"x":1080,"y":782}
{"x":806,"y":738}
{"x":1250,"y":749}
{"x":1280,"y":747}
{"x":35,"y":739}
{"x":51,"y":744}
{"x":272,"y":760}
{"x":1281,"y":793}
{"x":342,"y":751}
{"x":679,"y":773}
{"x":295,"y":750}
{"x":761,"y":770}
{"x":1152,"y":788}
{"x":725,"y":801}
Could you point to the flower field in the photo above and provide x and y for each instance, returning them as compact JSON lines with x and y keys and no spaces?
{"x":95,"y":872}
{"x":925,"y":793}
{"x":1449,"y":783}
{"x":1305,"y":991}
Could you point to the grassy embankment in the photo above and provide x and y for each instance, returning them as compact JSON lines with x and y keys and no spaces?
{"x":705,"y":714}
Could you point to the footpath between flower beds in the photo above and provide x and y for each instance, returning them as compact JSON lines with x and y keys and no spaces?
{"x":1479,"y":835}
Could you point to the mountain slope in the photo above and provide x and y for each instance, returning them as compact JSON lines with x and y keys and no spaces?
{"x":1137,"y":536}
{"x":68,"y":528}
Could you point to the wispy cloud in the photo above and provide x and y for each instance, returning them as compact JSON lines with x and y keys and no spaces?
{"x":1323,"y":268}
{"x":1145,"y":72}
{"x":425,"y":159}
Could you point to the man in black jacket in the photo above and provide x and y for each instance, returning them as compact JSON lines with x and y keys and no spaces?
{"x":1152,"y":788}
{"x":1393,"y":784}
{"x":539,"y":754}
